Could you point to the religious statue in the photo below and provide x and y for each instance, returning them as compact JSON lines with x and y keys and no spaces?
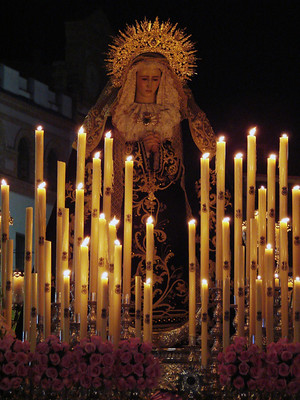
{"x":152,"y":116}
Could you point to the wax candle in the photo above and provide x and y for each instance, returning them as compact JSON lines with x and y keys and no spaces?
{"x":226,"y":312}
{"x":220,"y":174}
{"x":117,"y":293}
{"x":262,"y":212}
{"x":66,"y":305}
{"x":9,"y":278}
{"x":102,"y":246}
{"x":238,"y":221}
{"x":192,"y":282}
{"x":112,"y":236}
{"x":81,"y":149}
{"x":27,"y":272}
{"x":78,"y":236}
{"x":283,"y":176}
{"x":226,"y":247}
{"x":204,"y":321}
{"x":84,"y":268}
{"x":33,"y":314}
{"x":108,"y":175}
{"x":251,"y":179}
{"x":4,"y":233}
{"x":102,"y":305}
{"x":204,"y":228}
{"x":284,"y":267}
{"x":297,"y":309}
{"x":253,"y":274}
{"x":147,"y":311}
{"x":269,"y":266}
{"x":96,"y":185}
{"x":41,"y":203}
{"x":271,"y":175}
{"x":47,"y":288}
{"x":296,"y":229}
{"x":127,"y":227}
{"x":258,"y":307}
{"x":61,"y":178}
{"x":138,"y":306}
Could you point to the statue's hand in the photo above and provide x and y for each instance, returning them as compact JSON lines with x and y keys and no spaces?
{"x":152,"y":142}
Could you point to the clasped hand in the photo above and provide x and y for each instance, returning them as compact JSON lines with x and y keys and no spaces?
{"x":152,"y":142}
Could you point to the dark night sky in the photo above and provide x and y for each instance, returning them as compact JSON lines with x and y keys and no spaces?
{"x":249,"y":56}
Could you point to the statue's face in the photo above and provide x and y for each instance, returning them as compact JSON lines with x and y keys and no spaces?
{"x":147,"y":83}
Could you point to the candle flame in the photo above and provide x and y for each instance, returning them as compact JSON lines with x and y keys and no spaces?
{"x":80,"y":186}
{"x":39,"y":128}
{"x":102,"y":216}
{"x":285,"y":220}
{"x":86,"y":241}
{"x":97,"y":155}
{"x":258,"y":277}
{"x":221,"y":138}
{"x":42,"y":185}
{"x":108,"y":134}
{"x":297,"y":278}
{"x":67,"y":272}
{"x":262,"y":187}
{"x":226,"y":219}
{"x":252,"y":131}
{"x":117,"y":242}
{"x":148,"y":281}
{"x":114,"y":221}
{"x":276,"y":276}
{"x":284,"y":135}
{"x":81,"y":130}
{"x":204,"y":281}
{"x":3,"y":182}
{"x":205,"y":155}
{"x":104,"y":275}
{"x":150,"y":220}
{"x":297,"y":187}
{"x":269,"y":246}
{"x":273,"y":157}
{"x":129,"y":158}
{"x":192,"y":221}
{"x":239,"y":155}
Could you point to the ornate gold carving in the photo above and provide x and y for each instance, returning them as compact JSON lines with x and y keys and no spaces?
{"x":151,"y":37}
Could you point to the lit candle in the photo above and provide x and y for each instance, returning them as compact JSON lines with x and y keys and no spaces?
{"x":66,"y":305}
{"x":220,"y":173}
{"x":253,"y":274}
{"x":102,"y":246}
{"x":96,"y":185}
{"x":4,"y":233}
{"x":204,"y":228}
{"x":147,"y":311}
{"x":81,"y":149}
{"x":297,"y":309}
{"x":276,"y":280}
{"x":226,"y":247}
{"x":149,"y":258}
{"x":269,"y":272}
{"x":78,"y":235}
{"x":262,"y":214}
{"x":271,"y":175}
{"x":27,"y":271}
{"x":9,"y":278}
{"x":192,"y":282}
{"x":61,"y":178}
{"x":127,"y":227}
{"x":47,"y":288}
{"x":138,"y":306}
{"x":84,"y":269}
{"x":108,"y":175}
{"x":284,"y":269}
{"x":117,"y":293}
{"x":226,"y":312}
{"x":283,"y":176}
{"x":39,"y":155}
{"x":258,"y":306}
{"x":204,"y":321}
{"x":251,"y":179}
{"x":112,"y":236}
{"x":238,"y":222}
{"x":41,"y":203}
{"x":296,"y":229}
{"x":102,"y":305}
{"x":33,"y":314}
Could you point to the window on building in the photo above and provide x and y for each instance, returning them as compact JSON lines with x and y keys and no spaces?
{"x":20,"y":250}
{"x":23,"y":160}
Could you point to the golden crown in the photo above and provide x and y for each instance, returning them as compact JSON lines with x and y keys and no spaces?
{"x":151,"y":37}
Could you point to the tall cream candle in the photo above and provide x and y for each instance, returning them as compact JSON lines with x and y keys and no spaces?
{"x":84,"y":272}
{"x":204,"y":321}
{"x":192,"y":282}
{"x":204,"y":213}
{"x":226,"y":312}
{"x":4,"y":235}
{"x":61,"y":179}
{"x":108,"y":175}
{"x":284,"y":270}
{"x":253,"y":275}
{"x":9,"y":279}
{"x":33,"y":314}
{"x":64,"y":255}
{"x":238,"y":221}
{"x":271,"y":175}
{"x":81,"y":150}
{"x":258,"y":308}
{"x":102,"y":305}
{"x":297,"y":309}
{"x":78,"y":237}
{"x":251,"y":179}
{"x":41,"y":203}
{"x":296,"y":229}
{"x":127,"y":227}
{"x":27,"y":272}
{"x":149,"y":259}
{"x":66,"y":306}
{"x":269,"y":266}
{"x":220,"y":207}
{"x":47,"y":288}
{"x":117,"y":293}
{"x":112,"y":236}
{"x":147,"y":311}
{"x":138,"y":307}
{"x":226,"y":247}
{"x":283,"y":176}
{"x":102,"y":246}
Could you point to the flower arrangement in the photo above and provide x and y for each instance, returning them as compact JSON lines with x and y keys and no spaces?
{"x":51,"y":367}
{"x":14,"y":361}
{"x":136,"y":367}
{"x":95,"y":362}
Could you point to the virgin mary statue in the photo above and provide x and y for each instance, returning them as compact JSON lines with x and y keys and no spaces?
{"x":153,"y":117}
